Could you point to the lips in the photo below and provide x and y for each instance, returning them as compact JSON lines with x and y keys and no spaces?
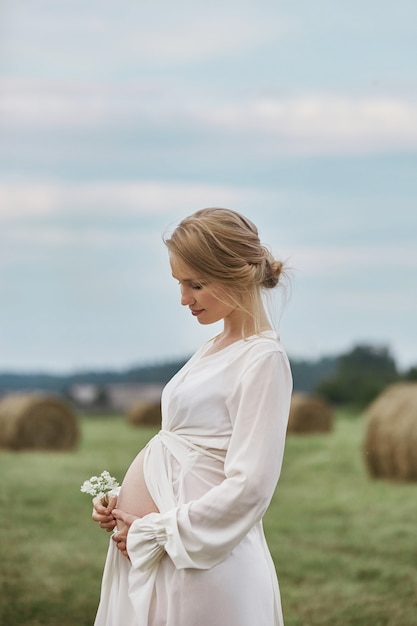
{"x":196,"y":312}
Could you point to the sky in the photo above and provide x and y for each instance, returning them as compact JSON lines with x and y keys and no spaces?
{"x":118,"y":119}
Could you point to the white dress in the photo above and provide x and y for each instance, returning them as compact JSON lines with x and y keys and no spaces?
{"x":212,"y":471}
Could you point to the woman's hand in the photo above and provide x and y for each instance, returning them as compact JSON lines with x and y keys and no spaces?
{"x":104,"y":514}
{"x":125,"y":521}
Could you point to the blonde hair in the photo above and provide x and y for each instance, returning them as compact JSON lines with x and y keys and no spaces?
{"x":222,"y":246}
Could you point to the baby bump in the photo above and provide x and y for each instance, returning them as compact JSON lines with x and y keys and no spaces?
{"x":134,"y":496}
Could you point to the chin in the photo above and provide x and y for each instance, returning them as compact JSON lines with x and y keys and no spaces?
{"x":207,"y":322}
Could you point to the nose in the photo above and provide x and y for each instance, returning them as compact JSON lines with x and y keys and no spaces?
{"x":187,"y":297}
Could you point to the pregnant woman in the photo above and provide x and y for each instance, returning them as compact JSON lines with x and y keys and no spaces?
{"x":188,"y":547}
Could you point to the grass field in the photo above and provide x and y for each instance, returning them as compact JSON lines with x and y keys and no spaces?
{"x":345,"y":546}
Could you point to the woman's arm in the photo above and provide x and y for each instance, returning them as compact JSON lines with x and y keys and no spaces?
{"x":203,"y":532}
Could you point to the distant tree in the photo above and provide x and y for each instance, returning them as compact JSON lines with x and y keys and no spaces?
{"x":308,"y":374}
{"x":102,"y":397}
{"x":411,"y":374}
{"x":360,"y":376}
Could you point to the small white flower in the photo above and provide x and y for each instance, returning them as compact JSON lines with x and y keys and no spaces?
{"x":100,"y":486}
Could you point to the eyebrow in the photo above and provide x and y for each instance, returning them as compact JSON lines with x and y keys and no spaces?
{"x":188,"y":280}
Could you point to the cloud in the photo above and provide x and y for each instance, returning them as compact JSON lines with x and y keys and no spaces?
{"x":391,"y":301}
{"x":197,"y":39}
{"x":64,"y":237}
{"x":50,"y":215}
{"x":41,"y":105}
{"x":324,"y":123}
{"x":306,"y":124}
{"x":31,"y":199}
{"x":143,"y":36}
{"x":329,"y":260}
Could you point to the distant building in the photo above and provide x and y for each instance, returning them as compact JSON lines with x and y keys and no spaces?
{"x":123,"y":396}
{"x":114,"y":397}
{"x":84,"y":394}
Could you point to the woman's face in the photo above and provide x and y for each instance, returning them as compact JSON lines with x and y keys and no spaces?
{"x":202,"y":298}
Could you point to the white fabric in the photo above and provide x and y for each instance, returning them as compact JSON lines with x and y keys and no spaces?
{"x":212,"y":471}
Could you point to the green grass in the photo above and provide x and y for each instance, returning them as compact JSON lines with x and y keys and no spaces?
{"x":345,"y":546}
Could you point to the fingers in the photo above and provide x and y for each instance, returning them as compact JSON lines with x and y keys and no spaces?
{"x":127,"y":518}
{"x":112,"y":503}
{"x":106,"y":522}
{"x":104,"y":517}
{"x":108,"y":526}
{"x":98,"y":517}
{"x":120,"y":541}
{"x":104,"y":510}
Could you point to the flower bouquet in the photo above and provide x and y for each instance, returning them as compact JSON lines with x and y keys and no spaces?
{"x":103,"y":487}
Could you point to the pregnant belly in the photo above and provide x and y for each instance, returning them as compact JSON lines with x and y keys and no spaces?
{"x":134,"y":496}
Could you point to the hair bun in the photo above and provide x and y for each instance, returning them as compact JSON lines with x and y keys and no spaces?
{"x":272,"y":273}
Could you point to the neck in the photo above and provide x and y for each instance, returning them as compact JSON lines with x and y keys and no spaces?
{"x":239,"y":325}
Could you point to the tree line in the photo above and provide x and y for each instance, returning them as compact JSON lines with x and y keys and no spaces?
{"x":355,"y":377}
{"x":361,"y":374}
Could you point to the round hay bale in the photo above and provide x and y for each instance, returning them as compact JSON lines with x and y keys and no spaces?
{"x":309,"y":415}
{"x":145,"y":414}
{"x":35,"y":421}
{"x":390,"y":444}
